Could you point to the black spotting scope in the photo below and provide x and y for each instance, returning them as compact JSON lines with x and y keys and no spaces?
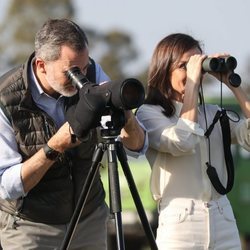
{"x":97,"y":100}
{"x":126,"y":94}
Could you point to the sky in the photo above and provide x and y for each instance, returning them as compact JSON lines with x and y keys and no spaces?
{"x":221,"y":25}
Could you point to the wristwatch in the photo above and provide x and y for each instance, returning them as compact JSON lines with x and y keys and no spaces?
{"x":50,"y":153}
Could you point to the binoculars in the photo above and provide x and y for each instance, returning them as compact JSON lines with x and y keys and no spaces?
{"x":223,"y":65}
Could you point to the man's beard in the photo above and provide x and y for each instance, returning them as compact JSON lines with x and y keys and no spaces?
{"x":67,"y":90}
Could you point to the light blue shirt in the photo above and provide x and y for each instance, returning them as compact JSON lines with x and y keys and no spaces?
{"x":10,"y":159}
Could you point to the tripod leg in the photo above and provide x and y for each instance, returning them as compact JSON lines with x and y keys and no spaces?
{"x":97,"y":157}
{"x":115,"y":198}
{"x":147,"y":228}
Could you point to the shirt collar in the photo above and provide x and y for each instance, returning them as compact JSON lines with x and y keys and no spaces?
{"x":36,"y":89}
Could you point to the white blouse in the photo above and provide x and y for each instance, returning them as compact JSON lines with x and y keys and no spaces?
{"x":178,"y":151}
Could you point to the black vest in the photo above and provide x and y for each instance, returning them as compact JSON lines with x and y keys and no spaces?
{"x":53,"y":199}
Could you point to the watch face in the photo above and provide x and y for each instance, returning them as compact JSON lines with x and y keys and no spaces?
{"x":50,"y":152}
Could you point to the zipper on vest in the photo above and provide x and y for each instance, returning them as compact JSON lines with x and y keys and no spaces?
{"x":70,"y":169}
{"x":46,"y":124}
{"x":46,"y":127}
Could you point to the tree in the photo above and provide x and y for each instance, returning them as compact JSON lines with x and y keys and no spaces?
{"x":21,"y":22}
{"x":114,"y":50}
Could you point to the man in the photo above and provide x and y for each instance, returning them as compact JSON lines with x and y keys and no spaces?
{"x":42,"y":170}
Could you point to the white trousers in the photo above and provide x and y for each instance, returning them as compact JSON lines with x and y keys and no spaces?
{"x":197,"y":225}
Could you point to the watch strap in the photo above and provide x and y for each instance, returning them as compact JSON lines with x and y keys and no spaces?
{"x":50,"y":153}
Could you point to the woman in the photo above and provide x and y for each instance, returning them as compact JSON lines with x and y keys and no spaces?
{"x":192,"y":214}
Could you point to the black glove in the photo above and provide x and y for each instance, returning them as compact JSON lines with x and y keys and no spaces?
{"x":84,"y":112}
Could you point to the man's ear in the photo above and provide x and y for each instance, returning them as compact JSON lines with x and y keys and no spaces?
{"x":40,"y":65}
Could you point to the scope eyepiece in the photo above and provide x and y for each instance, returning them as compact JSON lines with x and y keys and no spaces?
{"x":75,"y":75}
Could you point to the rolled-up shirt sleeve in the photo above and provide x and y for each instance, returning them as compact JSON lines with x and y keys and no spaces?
{"x":142,"y":151}
{"x":189,"y":126}
{"x":241,"y":133}
{"x":10,"y":162}
{"x":11,"y":185}
{"x":181,"y":138}
{"x":173,"y":135}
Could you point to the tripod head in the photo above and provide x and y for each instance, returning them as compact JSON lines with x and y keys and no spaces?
{"x":112,"y":123}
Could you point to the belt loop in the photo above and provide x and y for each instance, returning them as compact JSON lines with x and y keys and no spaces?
{"x":191,"y":207}
{"x":159,"y":206}
{"x":220,"y":207}
{"x":15,"y":221}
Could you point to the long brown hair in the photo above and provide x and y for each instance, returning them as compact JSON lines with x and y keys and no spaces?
{"x":166,"y":56}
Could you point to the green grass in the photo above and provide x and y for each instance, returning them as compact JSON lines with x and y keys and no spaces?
{"x":140,"y":171}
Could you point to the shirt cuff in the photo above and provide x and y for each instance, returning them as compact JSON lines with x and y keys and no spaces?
{"x":190,"y":126}
{"x":248,"y":123}
{"x":11,"y":183}
{"x":136,"y":154}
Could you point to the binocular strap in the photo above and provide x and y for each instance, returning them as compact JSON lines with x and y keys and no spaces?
{"x":211,"y":171}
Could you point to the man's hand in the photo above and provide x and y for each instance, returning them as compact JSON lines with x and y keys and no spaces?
{"x":62,"y":140}
{"x":36,"y":167}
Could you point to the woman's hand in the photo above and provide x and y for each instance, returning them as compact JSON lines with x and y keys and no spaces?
{"x":194,"y":68}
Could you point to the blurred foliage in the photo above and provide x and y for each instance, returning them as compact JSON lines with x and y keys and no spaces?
{"x":22,"y":20}
{"x":114,"y":50}
{"x":119,"y":52}
{"x":140,"y":171}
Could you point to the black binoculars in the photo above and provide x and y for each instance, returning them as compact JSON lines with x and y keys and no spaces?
{"x":223,"y":65}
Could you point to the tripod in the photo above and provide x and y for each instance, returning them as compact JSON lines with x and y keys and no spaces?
{"x":114,"y":149}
